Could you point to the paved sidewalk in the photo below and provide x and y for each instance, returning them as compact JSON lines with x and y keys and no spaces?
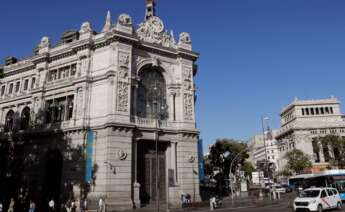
{"x":245,"y":202}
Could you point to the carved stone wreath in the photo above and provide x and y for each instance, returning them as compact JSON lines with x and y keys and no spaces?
{"x":122,"y":155}
{"x":191,"y":159}
{"x":152,"y":30}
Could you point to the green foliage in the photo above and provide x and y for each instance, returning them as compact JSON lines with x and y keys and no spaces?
{"x":285,"y":173}
{"x":248,"y":168}
{"x":336,"y":145}
{"x":297,"y":161}
{"x":222,"y":154}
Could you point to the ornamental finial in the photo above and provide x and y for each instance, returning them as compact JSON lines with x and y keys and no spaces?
{"x":150,"y":9}
{"x":107,"y":25}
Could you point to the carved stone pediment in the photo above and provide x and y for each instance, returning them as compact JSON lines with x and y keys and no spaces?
{"x":152,"y":31}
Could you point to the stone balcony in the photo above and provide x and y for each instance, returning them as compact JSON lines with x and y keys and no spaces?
{"x":150,"y":123}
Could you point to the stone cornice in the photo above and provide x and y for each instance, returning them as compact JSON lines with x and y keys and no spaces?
{"x":73,"y":48}
{"x":311,"y":102}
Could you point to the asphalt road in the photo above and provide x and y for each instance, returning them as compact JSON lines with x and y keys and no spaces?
{"x":284,"y":205}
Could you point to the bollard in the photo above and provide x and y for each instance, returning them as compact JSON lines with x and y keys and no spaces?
{"x":278,"y":195}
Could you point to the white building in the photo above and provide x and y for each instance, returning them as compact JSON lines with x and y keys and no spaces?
{"x":102,"y":92}
{"x":303,"y":121}
{"x":261,"y":149}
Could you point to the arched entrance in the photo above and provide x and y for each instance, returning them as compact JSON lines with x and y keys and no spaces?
{"x":148,"y":171}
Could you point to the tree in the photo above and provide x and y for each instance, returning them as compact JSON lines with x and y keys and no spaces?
{"x":222,"y":154}
{"x":285,"y":173}
{"x":334,"y":149}
{"x":30,"y":157}
{"x":248,"y":168}
{"x":297,"y":161}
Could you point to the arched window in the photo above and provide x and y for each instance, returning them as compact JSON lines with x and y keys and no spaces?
{"x":25,"y":118}
{"x":151,"y":95}
{"x":9,"y":121}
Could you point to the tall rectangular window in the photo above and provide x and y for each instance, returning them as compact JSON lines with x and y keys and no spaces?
{"x":3,"y":88}
{"x":331,"y":110}
{"x":70,"y":101}
{"x":17,"y":86}
{"x":10,"y":90}
{"x":26,"y":84}
{"x":73,"y":69}
{"x":33,"y":81}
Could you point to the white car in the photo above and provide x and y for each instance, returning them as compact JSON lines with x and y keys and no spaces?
{"x":318,"y":199}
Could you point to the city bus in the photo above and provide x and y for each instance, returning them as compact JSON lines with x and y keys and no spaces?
{"x":329,"y":178}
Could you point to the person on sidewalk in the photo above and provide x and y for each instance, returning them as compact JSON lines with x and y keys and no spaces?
{"x":32,"y":206}
{"x":73,"y":206}
{"x":51,"y":205}
{"x":101,"y":205}
{"x":11,"y":206}
{"x":83,"y":205}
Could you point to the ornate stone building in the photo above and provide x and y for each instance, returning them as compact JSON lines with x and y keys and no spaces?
{"x":257,"y":147}
{"x":113,"y":93}
{"x":302,"y":122}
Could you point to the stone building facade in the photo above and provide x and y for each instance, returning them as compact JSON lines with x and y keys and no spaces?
{"x":257,"y":147}
{"x":125,"y":95}
{"x":302,"y":122}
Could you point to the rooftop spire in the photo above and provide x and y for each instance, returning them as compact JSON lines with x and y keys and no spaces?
{"x":107,"y":25}
{"x":150,"y":9}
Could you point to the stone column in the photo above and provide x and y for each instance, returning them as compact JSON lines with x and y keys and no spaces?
{"x":322,"y":156}
{"x":136,"y":185}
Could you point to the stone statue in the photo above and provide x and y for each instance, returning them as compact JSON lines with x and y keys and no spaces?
{"x":124,"y":20}
{"x":185,"y":38}
{"x":45,"y":42}
{"x":85,"y":28}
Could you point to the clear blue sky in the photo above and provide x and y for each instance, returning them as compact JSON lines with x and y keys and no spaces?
{"x":256,"y":55}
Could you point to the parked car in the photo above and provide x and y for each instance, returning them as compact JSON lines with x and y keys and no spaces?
{"x":277,"y":188}
{"x":288,"y":189}
{"x":318,"y":199}
{"x":280,"y":189}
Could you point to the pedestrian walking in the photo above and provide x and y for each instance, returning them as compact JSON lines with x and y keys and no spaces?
{"x":101,"y":205}
{"x":11,"y":206}
{"x":73,"y":206}
{"x":32,"y":206}
{"x":63,"y":207}
{"x":68,"y":206}
{"x":83,"y":205}
{"x":51,"y":205}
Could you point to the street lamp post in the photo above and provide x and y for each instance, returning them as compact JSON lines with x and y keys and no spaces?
{"x":264,"y":139}
{"x":157,"y":162}
{"x":157,"y":112}
{"x":231,"y":181}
